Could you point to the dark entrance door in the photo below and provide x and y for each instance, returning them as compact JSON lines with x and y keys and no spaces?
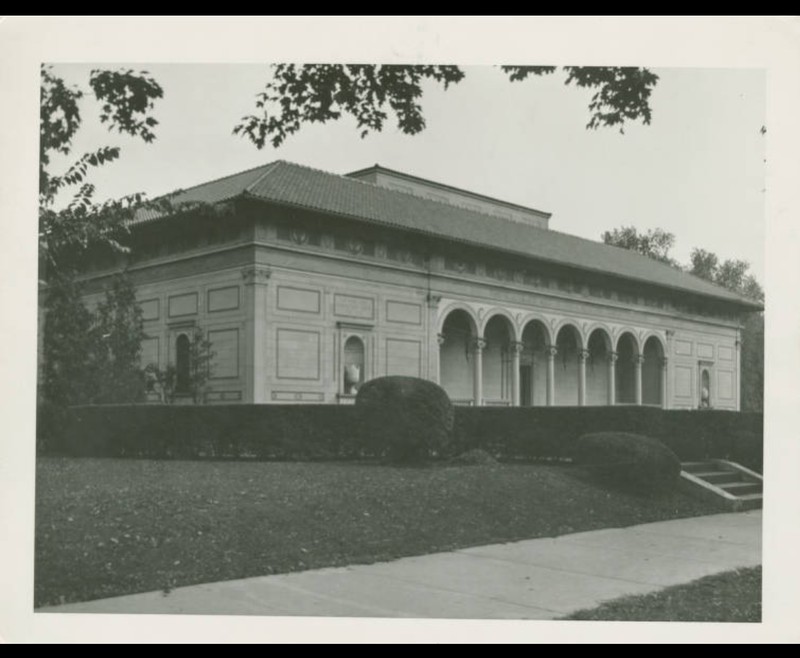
{"x":525,"y":389}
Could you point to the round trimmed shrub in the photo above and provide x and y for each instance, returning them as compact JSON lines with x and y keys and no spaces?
{"x":474,"y":457}
{"x":631,"y":460}
{"x":407,"y":419}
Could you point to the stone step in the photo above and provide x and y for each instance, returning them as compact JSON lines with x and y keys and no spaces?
{"x":695,"y":467}
{"x":742,"y":488}
{"x":718,"y":476}
{"x":750,"y":501}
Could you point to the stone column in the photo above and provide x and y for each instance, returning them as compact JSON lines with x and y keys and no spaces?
{"x":737,"y":389}
{"x":437,"y":374}
{"x":435,"y":342}
{"x":664,"y":383}
{"x":516,"y":350}
{"x":638,"y":361}
{"x":551,"y":351}
{"x":612,"y":378}
{"x":583,"y":355}
{"x":255,"y":368}
{"x":477,"y":385}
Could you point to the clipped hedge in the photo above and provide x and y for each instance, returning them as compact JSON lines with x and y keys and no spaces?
{"x":407,"y":419}
{"x":631,"y":461}
{"x":334,"y":431}
{"x":296,"y":432}
{"x":551,"y":433}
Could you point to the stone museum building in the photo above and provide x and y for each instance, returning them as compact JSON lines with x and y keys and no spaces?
{"x":309,"y":283}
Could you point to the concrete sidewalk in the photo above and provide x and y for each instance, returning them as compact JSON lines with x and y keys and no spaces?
{"x":533,"y":579}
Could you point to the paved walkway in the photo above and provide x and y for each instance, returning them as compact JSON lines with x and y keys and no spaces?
{"x":533,"y":579}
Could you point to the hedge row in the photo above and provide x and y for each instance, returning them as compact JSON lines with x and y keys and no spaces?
{"x":551,"y":432}
{"x":334,"y":432}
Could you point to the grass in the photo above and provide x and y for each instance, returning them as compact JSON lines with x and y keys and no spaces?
{"x":734,"y":596}
{"x":107,"y":527}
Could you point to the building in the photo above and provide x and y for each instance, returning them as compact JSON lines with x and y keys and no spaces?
{"x":309,"y":283}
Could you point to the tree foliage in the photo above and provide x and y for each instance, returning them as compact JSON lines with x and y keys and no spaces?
{"x":92,"y":358}
{"x":118,"y":334}
{"x":127,"y":99}
{"x":370,"y":93}
{"x":655,"y":243}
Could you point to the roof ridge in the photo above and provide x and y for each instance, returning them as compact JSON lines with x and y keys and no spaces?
{"x":375,"y":186}
{"x":216,"y":180}
{"x":268,"y":169}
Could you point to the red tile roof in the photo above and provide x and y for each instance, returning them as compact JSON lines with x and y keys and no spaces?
{"x":296,"y":185}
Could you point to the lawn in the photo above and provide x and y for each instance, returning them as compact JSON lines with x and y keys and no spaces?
{"x":107,"y":527}
{"x":734,"y":596}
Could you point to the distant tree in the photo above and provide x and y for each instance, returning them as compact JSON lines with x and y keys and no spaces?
{"x":655,"y":243}
{"x":68,"y":373}
{"x":299,"y":94}
{"x":118,"y":333}
{"x":731,"y":273}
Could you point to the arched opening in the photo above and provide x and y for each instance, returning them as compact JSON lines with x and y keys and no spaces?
{"x":497,"y":359}
{"x":533,"y":366}
{"x":182,"y":365}
{"x":626,"y":369}
{"x":567,"y":373}
{"x":456,"y":358}
{"x":651,"y":372}
{"x":353,"y":365}
{"x":597,"y":377}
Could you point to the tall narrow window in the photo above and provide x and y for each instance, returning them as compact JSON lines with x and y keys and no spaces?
{"x":353,"y":365}
{"x":182,"y":374}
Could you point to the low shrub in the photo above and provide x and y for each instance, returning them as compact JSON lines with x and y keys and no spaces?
{"x":633,"y":461}
{"x":475,"y":457}
{"x":406,"y":418}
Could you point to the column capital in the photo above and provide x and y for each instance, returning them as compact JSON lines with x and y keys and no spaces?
{"x":613,"y":357}
{"x":516,"y":347}
{"x":478,"y":344}
{"x":433,"y":300}
{"x":256,"y":274}
{"x":664,"y":361}
{"x":440,"y":338}
{"x":551,"y":351}
{"x":638,"y":359}
{"x":583,"y":355}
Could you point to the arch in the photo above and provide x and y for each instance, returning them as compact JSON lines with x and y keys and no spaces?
{"x":353,"y":371}
{"x":569,"y":324}
{"x":182,"y":364}
{"x":598,"y":379}
{"x":459,"y":306}
{"x":498,"y":335}
{"x":569,"y":344}
{"x":605,"y":330}
{"x":658,"y":338}
{"x":500,"y":312}
{"x":535,"y":339}
{"x":627,"y":331}
{"x":456,"y":358}
{"x":536,"y":320}
{"x":653,"y":352}
{"x":627,"y":349}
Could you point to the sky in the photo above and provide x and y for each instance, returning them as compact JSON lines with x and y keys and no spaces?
{"x":696,"y":171}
